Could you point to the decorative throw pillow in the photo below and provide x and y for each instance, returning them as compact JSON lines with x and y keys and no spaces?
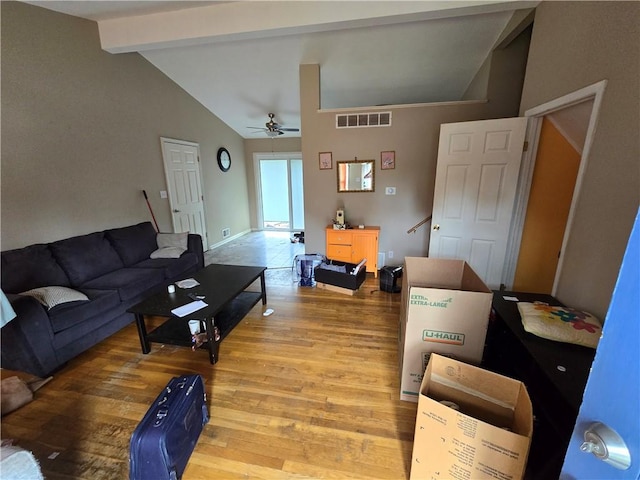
{"x":562,"y":324}
{"x":170,"y":245}
{"x":52,"y":296}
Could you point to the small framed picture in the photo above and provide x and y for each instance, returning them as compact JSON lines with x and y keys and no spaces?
{"x":387,"y":160}
{"x":326,"y":162}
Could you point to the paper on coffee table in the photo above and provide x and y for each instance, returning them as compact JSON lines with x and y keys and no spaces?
{"x":187,"y":283}
{"x":188,"y":308}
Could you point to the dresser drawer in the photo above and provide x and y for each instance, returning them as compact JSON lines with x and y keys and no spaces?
{"x":339,"y":237}
{"x":339,"y":252}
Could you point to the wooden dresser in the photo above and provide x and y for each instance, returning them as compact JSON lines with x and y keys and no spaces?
{"x":353,"y":245}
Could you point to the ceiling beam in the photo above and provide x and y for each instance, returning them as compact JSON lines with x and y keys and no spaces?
{"x":229,"y":21}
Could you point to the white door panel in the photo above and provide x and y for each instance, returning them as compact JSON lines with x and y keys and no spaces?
{"x":476,"y":180}
{"x":182,"y":171}
{"x":449,"y":247}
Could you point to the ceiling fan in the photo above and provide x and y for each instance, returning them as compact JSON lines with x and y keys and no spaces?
{"x":273,"y":128}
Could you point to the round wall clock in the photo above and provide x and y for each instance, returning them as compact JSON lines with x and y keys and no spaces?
{"x":224,"y":159}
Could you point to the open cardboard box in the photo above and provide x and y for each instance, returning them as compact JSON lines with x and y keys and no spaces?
{"x":444,"y":309}
{"x":487,"y":437}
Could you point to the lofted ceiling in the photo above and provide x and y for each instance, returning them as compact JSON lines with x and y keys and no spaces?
{"x":241,"y":59}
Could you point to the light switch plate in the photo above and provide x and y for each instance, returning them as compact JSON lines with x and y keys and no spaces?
{"x":390,"y":191}
{"x":163,"y":194}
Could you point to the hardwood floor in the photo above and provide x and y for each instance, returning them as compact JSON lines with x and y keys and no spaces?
{"x":311,"y":391}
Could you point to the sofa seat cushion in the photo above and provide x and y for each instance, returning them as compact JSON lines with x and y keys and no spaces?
{"x":86,"y":257}
{"x":172,"y":267}
{"x":67,"y":315}
{"x":129,"y":282}
{"x":168,"y":252}
{"x":133,"y":243}
{"x":30,"y":267}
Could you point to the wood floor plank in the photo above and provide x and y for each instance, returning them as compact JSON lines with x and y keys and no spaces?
{"x":311,"y":391}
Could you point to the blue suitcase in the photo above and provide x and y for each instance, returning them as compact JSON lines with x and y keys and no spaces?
{"x":163,"y":441}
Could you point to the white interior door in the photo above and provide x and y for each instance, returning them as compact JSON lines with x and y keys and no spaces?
{"x":476,"y":180}
{"x":182,"y":170}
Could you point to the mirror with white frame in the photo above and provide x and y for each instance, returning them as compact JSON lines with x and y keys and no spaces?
{"x":356,"y":176}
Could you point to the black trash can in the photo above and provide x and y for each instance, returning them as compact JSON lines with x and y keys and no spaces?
{"x":389,"y":279}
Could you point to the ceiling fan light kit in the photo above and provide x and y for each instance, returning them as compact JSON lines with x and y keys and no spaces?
{"x":273,"y":128}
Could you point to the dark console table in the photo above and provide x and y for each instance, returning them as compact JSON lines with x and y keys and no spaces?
{"x":223,"y":288}
{"x":555,"y":374}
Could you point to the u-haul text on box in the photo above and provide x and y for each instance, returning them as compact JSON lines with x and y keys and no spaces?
{"x":445,"y":309}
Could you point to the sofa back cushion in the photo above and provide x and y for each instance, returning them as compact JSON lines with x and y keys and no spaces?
{"x":133,"y":244}
{"x":86,"y":257}
{"x":30,"y":267}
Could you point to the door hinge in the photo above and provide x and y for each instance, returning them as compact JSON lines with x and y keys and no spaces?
{"x":525,"y":146}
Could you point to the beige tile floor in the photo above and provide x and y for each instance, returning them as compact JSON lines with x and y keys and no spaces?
{"x":270,"y":249}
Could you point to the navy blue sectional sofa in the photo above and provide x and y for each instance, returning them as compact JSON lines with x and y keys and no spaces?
{"x":112,"y":268}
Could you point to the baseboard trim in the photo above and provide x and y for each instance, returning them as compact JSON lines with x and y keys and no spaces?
{"x":229,"y":239}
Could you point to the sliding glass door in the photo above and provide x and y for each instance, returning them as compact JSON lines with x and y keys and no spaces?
{"x":279,"y":191}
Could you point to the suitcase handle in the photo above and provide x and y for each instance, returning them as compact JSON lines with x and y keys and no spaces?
{"x":160,"y":416}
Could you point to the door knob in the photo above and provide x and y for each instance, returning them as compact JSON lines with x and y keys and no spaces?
{"x":175,"y":210}
{"x":436,"y":227}
{"x":606,"y":445}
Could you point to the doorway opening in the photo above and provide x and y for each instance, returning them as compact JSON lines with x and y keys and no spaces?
{"x":279,"y":191}
{"x":574,"y":117}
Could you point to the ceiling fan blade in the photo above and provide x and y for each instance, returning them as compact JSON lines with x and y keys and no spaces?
{"x":273,"y":128}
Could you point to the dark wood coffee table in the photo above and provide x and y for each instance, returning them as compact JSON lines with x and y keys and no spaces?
{"x":224,"y":288}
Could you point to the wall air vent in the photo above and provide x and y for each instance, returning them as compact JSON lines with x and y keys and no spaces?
{"x":360,"y":120}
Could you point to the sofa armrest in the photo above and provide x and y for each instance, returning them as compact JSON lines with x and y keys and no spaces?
{"x":194,"y":245}
{"x":27,"y":340}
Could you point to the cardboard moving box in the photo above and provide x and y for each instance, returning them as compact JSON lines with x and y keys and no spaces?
{"x":488,"y":437}
{"x":445,"y":309}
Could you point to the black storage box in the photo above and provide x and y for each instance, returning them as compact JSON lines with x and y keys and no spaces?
{"x":389,"y":279}
{"x":343,"y":280}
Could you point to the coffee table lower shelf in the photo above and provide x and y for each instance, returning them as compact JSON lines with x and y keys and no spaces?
{"x":175,"y":330}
